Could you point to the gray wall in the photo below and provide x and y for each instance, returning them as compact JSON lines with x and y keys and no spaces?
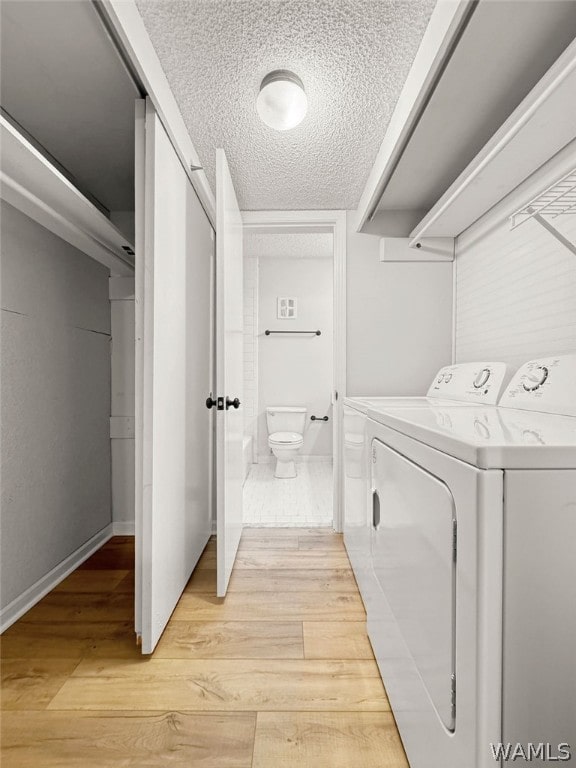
{"x":399,"y":320}
{"x":55,"y":403}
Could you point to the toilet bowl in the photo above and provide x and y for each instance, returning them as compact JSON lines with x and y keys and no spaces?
{"x":285,"y":437}
{"x":285,"y":446}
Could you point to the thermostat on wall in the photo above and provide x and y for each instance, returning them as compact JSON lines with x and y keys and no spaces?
{"x":287,"y":308}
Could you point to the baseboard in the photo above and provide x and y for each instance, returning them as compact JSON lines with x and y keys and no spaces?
{"x":18,"y":607}
{"x":121,"y":528}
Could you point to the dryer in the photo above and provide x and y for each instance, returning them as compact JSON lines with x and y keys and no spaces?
{"x":471,"y":611}
{"x":454,"y":385}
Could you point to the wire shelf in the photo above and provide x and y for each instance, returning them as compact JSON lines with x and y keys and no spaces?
{"x":557,"y":200}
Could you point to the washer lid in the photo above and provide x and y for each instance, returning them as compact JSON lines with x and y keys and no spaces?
{"x":364,"y":404}
{"x":285,"y":437}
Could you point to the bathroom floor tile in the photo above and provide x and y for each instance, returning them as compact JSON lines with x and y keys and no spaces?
{"x":302,"y":501}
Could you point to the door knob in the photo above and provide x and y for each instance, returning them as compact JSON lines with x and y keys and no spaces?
{"x":234,"y":403}
{"x":211,"y":402}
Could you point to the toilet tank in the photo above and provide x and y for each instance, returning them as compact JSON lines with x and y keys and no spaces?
{"x":283,"y":418}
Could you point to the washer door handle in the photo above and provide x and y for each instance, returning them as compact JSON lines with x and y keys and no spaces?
{"x":375,"y":509}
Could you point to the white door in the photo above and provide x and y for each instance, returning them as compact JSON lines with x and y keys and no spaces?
{"x":229,"y":373}
{"x":174,"y":264}
{"x":413,"y":556}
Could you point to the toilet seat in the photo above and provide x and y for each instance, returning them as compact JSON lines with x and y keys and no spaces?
{"x":285,"y":438}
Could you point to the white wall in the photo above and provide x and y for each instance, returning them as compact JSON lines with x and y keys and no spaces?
{"x":122,"y":403}
{"x":516,"y":290}
{"x":399,"y":320}
{"x":296,"y":370}
{"x":55,"y":403}
{"x":250,"y":404}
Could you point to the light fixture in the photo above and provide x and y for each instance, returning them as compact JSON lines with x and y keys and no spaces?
{"x":282,"y":102}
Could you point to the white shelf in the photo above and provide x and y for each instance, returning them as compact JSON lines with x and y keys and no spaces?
{"x":35,"y":187}
{"x":486,"y":123}
{"x":539,"y":128}
{"x":442,"y":33}
{"x":401,"y":249}
{"x":558,"y":200}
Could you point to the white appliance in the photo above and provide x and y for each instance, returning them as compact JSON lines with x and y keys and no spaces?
{"x":454,"y":385}
{"x":479,"y":382}
{"x":472,"y":600}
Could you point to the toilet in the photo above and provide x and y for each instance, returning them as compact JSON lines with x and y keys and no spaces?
{"x":285,"y":437}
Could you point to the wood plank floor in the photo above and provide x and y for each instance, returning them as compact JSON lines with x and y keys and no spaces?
{"x":279,"y":674}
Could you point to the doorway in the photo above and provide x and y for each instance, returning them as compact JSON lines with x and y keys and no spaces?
{"x":294,"y":367}
{"x":288,"y":379}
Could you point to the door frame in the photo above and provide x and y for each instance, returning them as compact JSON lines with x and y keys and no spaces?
{"x":333,"y":222}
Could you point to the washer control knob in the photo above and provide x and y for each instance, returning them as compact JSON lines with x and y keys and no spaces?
{"x":447,"y":378}
{"x":535,"y":378}
{"x":482,"y":378}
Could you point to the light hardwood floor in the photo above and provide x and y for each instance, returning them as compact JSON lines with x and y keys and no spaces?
{"x":280,"y":674}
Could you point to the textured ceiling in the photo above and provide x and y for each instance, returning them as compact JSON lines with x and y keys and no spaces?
{"x":288,"y":246}
{"x":352,"y":56}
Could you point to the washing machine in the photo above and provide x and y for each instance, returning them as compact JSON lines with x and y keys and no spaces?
{"x":477,"y":382}
{"x":472,"y":604}
{"x":454,"y":385}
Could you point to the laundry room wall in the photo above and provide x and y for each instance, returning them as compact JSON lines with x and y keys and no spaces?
{"x":297,"y":370}
{"x":399,"y":319}
{"x":516,"y":289}
{"x":123,"y":400}
{"x":55,"y":404}
{"x":250,"y":404}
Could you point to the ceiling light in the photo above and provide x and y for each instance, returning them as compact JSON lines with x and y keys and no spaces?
{"x":282,"y":103}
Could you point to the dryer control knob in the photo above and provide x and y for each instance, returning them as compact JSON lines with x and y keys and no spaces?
{"x":482,"y":378}
{"x":535,"y":378}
